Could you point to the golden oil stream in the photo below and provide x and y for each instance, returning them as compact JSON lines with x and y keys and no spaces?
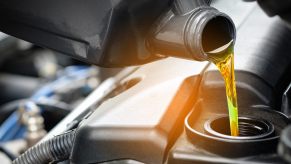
{"x":223,"y":58}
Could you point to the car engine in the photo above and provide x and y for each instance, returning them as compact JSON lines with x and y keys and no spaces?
{"x":143,"y":109}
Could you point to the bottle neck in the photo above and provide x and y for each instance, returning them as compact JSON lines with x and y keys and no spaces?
{"x":192,"y":35}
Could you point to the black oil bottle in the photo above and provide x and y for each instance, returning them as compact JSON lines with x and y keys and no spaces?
{"x":119,"y":33}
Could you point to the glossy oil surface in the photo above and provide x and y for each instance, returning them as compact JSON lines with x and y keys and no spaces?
{"x":223,"y":58}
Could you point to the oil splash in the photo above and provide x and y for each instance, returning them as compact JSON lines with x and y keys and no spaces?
{"x":223,"y":58}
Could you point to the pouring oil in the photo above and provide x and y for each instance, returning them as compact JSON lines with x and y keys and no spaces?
{"x":223,"y":58}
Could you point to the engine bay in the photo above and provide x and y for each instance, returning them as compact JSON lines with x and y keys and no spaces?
{"x":165,"y":112}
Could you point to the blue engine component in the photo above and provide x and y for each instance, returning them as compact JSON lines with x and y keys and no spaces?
{"x":12,"y":129}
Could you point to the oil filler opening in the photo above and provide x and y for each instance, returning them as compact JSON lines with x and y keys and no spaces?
{"x":249,"y":128}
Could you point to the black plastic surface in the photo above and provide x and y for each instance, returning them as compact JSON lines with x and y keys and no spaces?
{"x":184,"y":152}
{"x":286,"y":101}
{"x":284,"y":148}
{"x":143,"y":122}
{"x":85,"y":29}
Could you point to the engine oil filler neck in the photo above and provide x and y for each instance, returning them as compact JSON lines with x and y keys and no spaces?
{"x":249,"y":128}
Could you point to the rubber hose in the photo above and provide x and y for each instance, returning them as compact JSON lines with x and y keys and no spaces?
{"x":53,"y":150}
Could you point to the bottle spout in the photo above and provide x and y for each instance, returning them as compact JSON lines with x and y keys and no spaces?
{"x":193,"y":35}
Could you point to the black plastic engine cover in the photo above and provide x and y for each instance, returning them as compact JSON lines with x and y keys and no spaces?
{"x":96,"y":31}
{"x":143,"y":122}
